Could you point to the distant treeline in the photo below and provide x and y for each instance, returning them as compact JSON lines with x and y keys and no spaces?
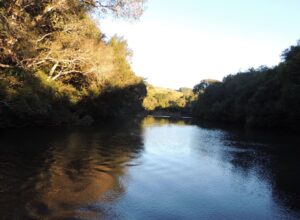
{"x":57,"y":67}
{"x":165,"y":100}
{"x":258,"y":98}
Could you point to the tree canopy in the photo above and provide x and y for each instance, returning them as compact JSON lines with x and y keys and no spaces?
{"x":261,"y":98}
{"x":53,"y":51}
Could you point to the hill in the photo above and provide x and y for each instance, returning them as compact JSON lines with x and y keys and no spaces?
{"x":168,"y":99}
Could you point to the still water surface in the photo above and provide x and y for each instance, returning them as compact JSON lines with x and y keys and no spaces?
{"x":156,"y":169}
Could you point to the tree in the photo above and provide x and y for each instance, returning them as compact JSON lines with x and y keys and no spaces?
{"x":200,"y":88}
{"x":262,"y":97}
{"x":54,"y":61}
{"x":131,"y":9}
{"x":58,"y":35}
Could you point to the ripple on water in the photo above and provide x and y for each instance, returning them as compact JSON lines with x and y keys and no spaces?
{"x":160,"y":170}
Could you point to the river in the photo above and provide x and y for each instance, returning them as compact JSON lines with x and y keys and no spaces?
{"x":156,"y":169}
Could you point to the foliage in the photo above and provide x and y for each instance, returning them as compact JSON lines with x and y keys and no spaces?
{"x":263,"y":97}
{"x":200,"y":88}
{"x":168,"y":99}
{"x":53,"y":58}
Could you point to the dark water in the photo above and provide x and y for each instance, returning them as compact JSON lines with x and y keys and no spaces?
{"x":159,"y":169}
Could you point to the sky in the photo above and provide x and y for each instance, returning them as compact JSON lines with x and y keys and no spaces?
{"x":178,"y":43}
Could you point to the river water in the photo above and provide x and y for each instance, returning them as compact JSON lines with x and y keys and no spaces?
{"x":156,"y":169}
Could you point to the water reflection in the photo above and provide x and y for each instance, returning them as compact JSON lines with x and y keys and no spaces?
{"x":157,"y":169}
{"x":164,"y":120}
{"x":275,"y":157}
{"x":65,"y":172}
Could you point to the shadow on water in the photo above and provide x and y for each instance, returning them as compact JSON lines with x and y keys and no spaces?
{"x":272,"y":155}
{"x":276,"y":157}
{"x":62,"y":173}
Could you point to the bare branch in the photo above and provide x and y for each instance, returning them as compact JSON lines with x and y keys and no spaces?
{"x":53,"y":69}
{"x":131,"y":9}
{"x":43,"y":37}
{"x":4,"y":65}
{"x":66,"y":73}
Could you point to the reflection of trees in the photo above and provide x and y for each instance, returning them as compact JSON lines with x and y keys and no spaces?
{"x":22,"y":154}
{"x":149,"y":121}
{"x":286,"y":179}
{"x":77,"y":171}
{"x":276,"y":160}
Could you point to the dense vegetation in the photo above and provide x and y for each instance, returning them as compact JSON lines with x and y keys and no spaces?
{"x":56,"y":67}
{"x":259,"y":98}
{"x":168,"y":100}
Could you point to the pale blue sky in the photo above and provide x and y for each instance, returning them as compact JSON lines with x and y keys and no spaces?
{"x":178,"y":43}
